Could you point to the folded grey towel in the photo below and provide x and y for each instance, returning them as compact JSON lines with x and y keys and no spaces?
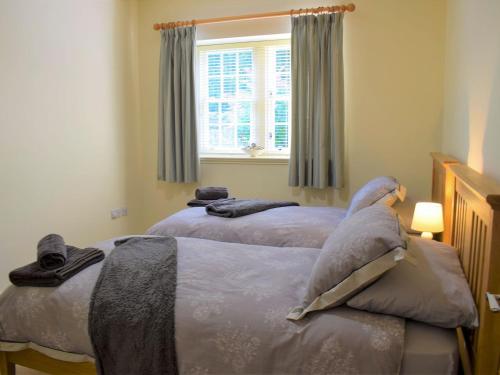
{"x":77,"y":260}
{"x":51,"y":252}
{"x":211,"y":193}
{"x":203,"y":202}
{"x":241,"y":207}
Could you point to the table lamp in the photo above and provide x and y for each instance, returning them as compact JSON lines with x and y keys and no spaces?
{"x":428,"y":219}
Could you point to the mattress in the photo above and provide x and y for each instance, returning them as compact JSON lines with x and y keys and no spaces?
{"x":54,"y":320}
{"x":428,"y":350}
{"x":296,"y":226}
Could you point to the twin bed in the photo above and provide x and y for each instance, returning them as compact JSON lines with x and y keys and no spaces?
{"x":226,"y":306}
{"x":295,"y":226}
{"x":212,"y":333}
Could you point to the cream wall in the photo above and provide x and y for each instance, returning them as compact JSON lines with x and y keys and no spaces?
{"x":68,"y":122}
{"x":78,"y":112}
{"x":394,"y":51}
{"x":471,"y":127}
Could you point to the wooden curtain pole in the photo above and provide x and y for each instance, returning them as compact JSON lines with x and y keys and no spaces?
{"x":333,"y":9}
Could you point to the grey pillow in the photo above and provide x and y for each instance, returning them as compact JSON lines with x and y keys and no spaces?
{"x":358,"y":240}
{"x":381,"y":189}
{"x":432,"y":290}
{"x":351,"y":285}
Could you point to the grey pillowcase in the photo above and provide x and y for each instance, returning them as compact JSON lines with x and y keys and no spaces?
{"x":373,"y":191}
{"x":432,"y":290}
{"x":351,"y":285}
{"x":358,"y":240}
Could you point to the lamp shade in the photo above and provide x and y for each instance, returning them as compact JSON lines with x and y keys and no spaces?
{"x":428,"y":217}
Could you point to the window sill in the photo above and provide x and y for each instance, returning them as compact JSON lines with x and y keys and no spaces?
{"x":244,"y":159}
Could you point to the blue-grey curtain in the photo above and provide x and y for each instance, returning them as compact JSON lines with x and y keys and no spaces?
{"x":177,"y":141}
{"x":317,"y":147}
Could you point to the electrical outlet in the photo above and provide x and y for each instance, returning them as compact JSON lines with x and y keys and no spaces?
{"x":118,"y":212}
{"x":115,"y":213}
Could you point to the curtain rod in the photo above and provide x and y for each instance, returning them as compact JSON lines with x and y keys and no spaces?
{"x":333,"y":9}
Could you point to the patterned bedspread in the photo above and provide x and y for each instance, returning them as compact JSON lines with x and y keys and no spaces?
{"x":231,"y":304}
{"x":284,"y":227}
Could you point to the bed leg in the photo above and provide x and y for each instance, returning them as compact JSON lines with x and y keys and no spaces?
{"x":6,"y":368}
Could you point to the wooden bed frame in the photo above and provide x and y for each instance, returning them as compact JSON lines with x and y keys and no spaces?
{"x":471,"y":204}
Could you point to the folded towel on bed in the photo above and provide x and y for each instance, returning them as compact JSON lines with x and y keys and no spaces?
{"x":211,"y":193}
{"x":241,"y":207}
{"x":204,"y":202}
{"x":77,"y":260}
{"x":51,"y":252}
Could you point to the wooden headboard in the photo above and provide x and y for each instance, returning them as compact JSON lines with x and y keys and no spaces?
{"x":471,"y":206}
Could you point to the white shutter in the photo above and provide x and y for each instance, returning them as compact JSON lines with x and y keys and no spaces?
{"x":278,"y":98}
{"x":241,"y":85}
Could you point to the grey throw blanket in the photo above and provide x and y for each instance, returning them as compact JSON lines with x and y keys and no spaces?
{"x":51,"y":252}
{"x":131,"y":317}
{"x":241,"y":207}
{"x":34,"y":275}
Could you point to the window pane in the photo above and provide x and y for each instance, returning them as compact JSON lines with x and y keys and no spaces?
{"x":281,"y":111}
{"x":214,"y":87}
{"x":246,"y":85}
{"x":230,"y":119}
{"x":229,"y":87}
{"x":227,"y":135}
{"x":230,"y":63}
{"x":246,"y":62}
{"x":282,"y":89}
{"x":244,"y":115}
{"x":213,"y":65}
{"x":213,"y":113}
{"x":281,"y":136}
{"x":283,"y":84}
{"x":213,"y":118}
{"x":213,"y":135}
{"x":282,"y":60}
{"x":213,"y":107}
{"x":227,"y":113}
{"x":243,"y":135}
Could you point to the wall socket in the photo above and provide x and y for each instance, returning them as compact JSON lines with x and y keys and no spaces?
{"x":118,"y":212}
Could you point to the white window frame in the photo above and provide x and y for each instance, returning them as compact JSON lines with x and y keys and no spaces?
{"x":263,"y":95}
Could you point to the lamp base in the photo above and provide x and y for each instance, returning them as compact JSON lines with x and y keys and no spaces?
{"x":427,"y":235}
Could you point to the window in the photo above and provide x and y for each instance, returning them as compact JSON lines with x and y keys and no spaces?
{"x":245,"y":97}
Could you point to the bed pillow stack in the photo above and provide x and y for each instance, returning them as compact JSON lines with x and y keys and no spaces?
{"x":360,"y":265}
{"x":385,"y":190}
{"x":362,"y":248}
{"x":432,"y":289}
